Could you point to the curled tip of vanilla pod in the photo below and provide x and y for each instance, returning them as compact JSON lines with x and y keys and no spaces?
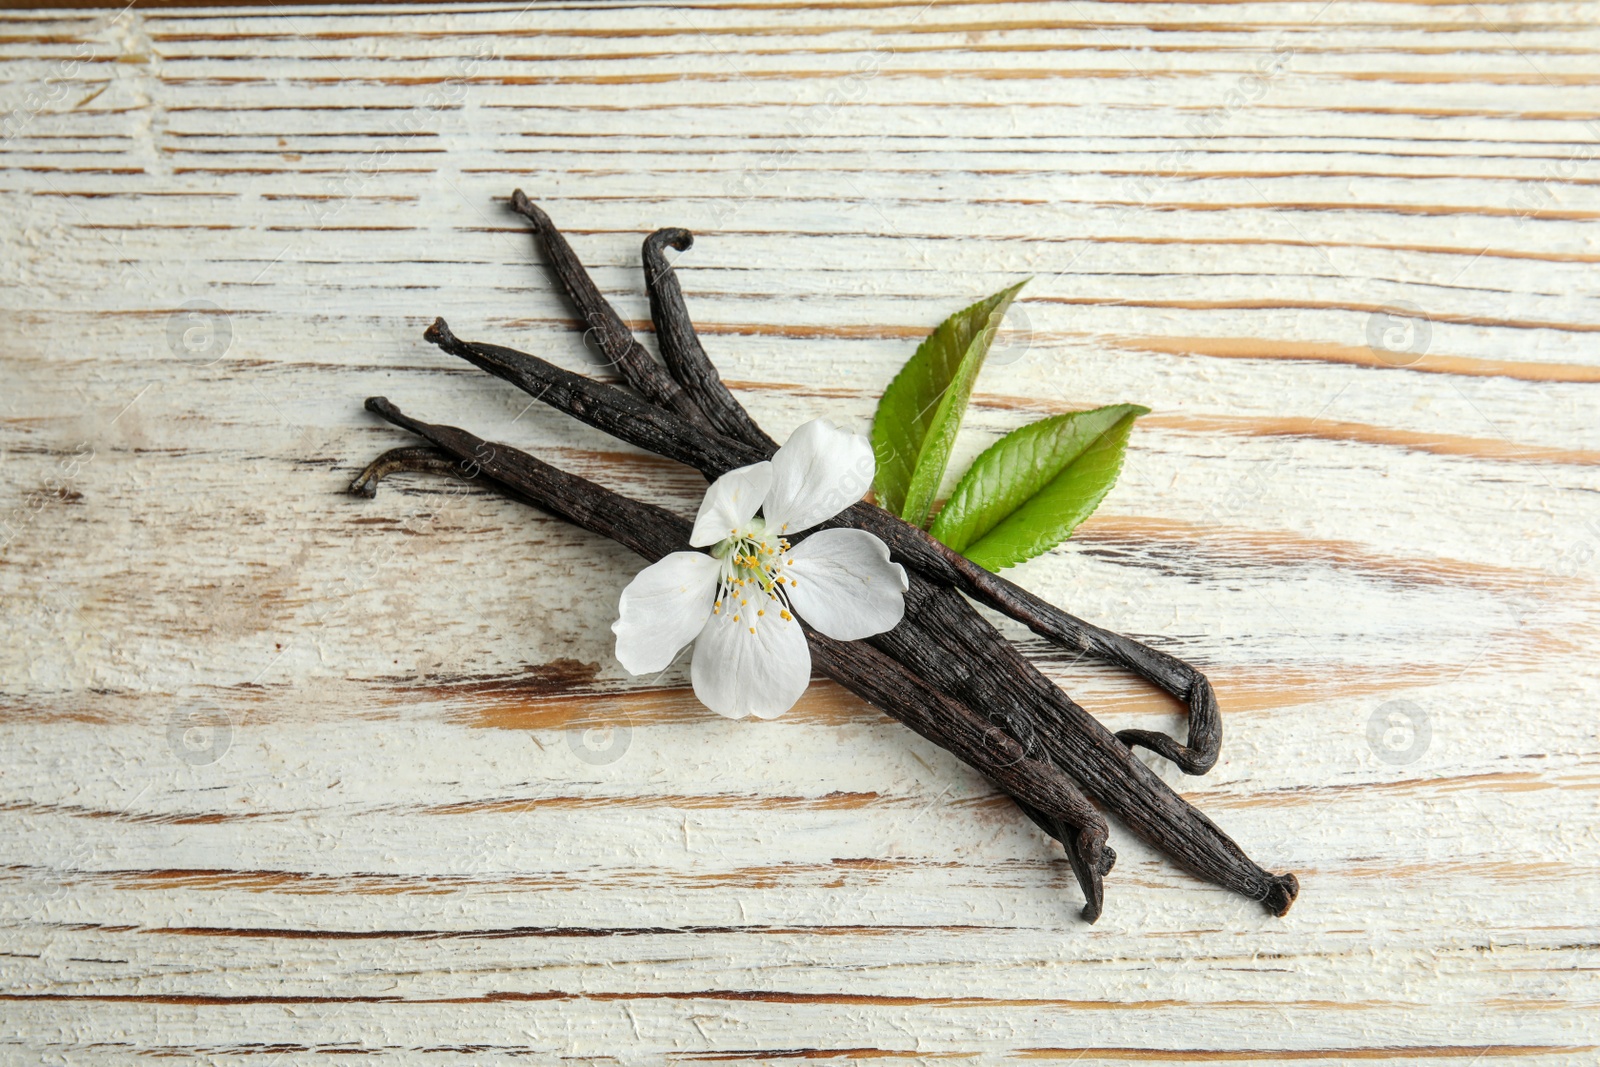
{"x":528,"y":209}
{"x":674,"y":237}
{"x":424,"y":459}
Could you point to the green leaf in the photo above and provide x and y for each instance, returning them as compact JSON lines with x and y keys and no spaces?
{"x":1030,"y":489}
{"x":917,"y":419}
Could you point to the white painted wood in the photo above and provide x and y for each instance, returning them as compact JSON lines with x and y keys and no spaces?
{"x":399,"y":854}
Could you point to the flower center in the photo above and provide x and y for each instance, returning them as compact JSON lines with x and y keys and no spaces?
{"x":753,"y":588}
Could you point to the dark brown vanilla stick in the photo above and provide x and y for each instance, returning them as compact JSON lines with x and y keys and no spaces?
{"x":687,"y":361}
{"x":977,"y":666}
{"x":602,"y":322}
{"x":422,"y":459}
{"x":680,"y":344}
{"x":653,"y":532}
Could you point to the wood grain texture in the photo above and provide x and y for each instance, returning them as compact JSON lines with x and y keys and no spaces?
{"x":294,"y":778}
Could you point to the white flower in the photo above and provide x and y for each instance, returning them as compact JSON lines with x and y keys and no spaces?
{"x":738,"y":604}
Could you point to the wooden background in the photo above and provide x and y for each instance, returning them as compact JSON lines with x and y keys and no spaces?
{"x":289,"y":777}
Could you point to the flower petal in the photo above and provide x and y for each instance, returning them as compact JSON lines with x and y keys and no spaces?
{"x":842,"y":583}
{"x":820,"y":471}
{"x":730,"y":503}
{"x":663,"y":609}
{"x":741,"y":669}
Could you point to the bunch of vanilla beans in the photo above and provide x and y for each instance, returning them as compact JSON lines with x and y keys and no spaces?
{"x":944,"y":671}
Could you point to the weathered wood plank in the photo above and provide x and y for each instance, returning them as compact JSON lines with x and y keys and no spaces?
{"x":295,"y":778}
